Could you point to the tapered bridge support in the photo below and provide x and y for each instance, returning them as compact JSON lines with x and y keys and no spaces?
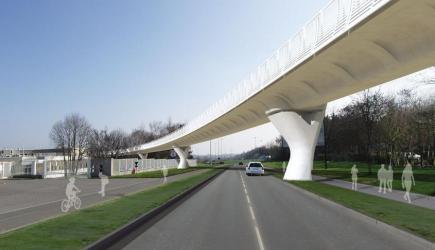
{"x":182,"y":154}
{"x":143,"y":156}
{"x":300,"y":130}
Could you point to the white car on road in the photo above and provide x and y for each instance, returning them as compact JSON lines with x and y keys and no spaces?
{"x":255,"y":168}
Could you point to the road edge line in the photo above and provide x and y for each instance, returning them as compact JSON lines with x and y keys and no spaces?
{"x":122,"y":232}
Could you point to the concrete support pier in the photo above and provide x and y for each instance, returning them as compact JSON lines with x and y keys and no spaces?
{"x":182,"y":154}
{"x":300,"y":130}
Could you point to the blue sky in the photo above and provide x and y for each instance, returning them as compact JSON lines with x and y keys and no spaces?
{"x":122,"y":64}
{"x":125,"y":63}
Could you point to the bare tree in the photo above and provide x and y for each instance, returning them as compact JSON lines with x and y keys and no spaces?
{"x":328,"y":128}
{"x":159,"y":129}
{"x":424,"y":126}
{"x":370,"y":108}
{"x":117,"y":141}
{"x":97,"y":144}
{"x":105,"y":144}
{"x":156,"y":128}
{"x":72,"y":136}
{"x":394,"y":127}
{"x":140,"y":136}
{"x":170,"y":127}
{"x":60,"y":137}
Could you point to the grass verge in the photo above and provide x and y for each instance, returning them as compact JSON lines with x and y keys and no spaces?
{"x":424,"y":177}
{"x":416,"y":220}
{"x":79,"y":229}
{"x":171,"y":171}
{"x":156,"y":173}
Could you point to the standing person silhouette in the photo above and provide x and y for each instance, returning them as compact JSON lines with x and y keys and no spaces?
{"x":382,"y":172}
{"x":354,"y":172}
{"x":407,"y":181}
{"x":165,"y":173}
{"x":390,"y":177}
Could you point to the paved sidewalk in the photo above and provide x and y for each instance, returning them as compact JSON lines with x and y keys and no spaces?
{"x":417,"y":199}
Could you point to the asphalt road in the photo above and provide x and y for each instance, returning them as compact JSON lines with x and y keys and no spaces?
{"x":24,"y":202}
{"x":240,"y":212}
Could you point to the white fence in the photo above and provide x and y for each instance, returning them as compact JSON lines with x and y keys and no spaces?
{"x":192,"y":162}
{"x":15,"y":166}
{"x":44,"y":168}
{"x":5,"y":169}
{"x":56,"y":168}
{"x":125,"y":166}
{"x":328,"y":24}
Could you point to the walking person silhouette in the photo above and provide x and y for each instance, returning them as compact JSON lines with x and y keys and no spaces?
{"x":407,"y":181}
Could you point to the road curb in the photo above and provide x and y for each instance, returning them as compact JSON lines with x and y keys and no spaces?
{"x":117,"y":235}
{"x":376,"y":223}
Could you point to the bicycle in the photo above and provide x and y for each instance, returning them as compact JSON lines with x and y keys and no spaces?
{"x":68,"y":203}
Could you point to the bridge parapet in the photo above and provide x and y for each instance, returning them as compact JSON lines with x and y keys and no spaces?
{"x":334,"y":20}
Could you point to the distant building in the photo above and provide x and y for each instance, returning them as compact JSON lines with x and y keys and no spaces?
{"x":31,"y":152}
{"x":47,"y":163}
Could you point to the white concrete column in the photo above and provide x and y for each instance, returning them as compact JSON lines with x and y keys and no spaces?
{"x":34,"y":167}
{"x":44,"y":168}
{"x":182,"y":154}
{"x":300,"y":130}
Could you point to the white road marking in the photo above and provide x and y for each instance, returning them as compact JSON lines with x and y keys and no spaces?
{"x":83,"y":195}
{"x":60,"y":200}
{"x":251,"y":210}
{"x":249,"y":201}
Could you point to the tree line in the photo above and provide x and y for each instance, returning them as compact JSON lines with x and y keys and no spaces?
{"x":373,"y":128}
{"x":379,"y":128}
{"x":77,"y":139}
{"x":276,"y":150}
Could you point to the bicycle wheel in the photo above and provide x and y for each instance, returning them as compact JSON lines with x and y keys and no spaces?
{"x":77,"y":203}
{"x":64,"y":206}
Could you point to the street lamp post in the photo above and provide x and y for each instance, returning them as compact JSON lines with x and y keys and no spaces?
{"x":210,"y":155}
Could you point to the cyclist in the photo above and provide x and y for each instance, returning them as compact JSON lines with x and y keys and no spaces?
{"x":71,"y":189}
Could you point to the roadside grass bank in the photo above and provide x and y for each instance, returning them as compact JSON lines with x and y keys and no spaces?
{"x":416,"y":220}
{"x":78,"y":229}
{"x":424,"y":177}
{"x":159,"y":173}
{"x":156,"y":173}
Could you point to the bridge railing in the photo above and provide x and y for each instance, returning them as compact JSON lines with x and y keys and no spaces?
{"x":336,"y":18}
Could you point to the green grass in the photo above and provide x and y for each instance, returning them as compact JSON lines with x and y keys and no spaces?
{"x":78,"y":229}
{"x":274,"y":164}
{"x":363,"y":167}
{"x":416,"y":220}
{"x":156,"y":173}
{"x":424,"y":177}
{"x":171,"y":171}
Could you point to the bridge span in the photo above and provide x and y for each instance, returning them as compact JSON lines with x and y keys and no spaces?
{"x":349,"y":46}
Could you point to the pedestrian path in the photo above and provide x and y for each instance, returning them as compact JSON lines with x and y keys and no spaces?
{"x":397,"y":195}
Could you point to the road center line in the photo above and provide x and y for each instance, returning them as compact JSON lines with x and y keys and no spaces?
{"x":251,"y":210}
